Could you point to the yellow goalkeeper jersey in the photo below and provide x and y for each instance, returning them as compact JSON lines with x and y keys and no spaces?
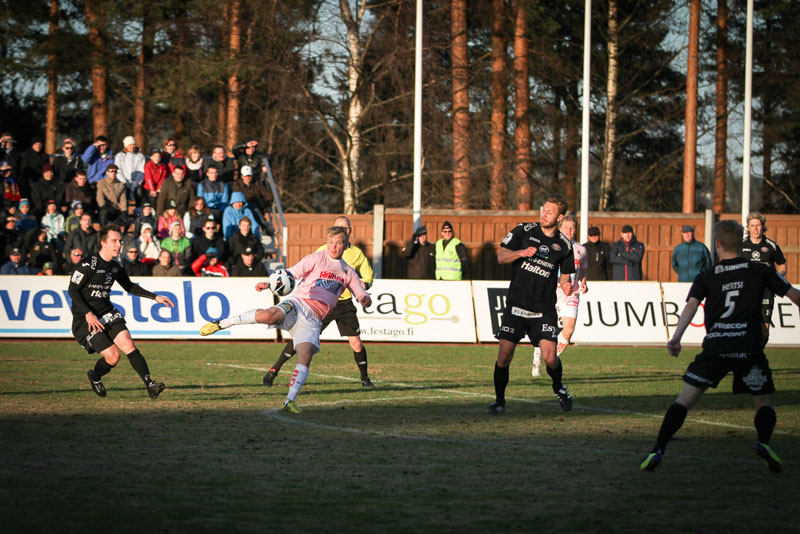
{"x":356,"y":259}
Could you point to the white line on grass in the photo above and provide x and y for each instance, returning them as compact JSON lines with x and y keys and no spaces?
{"x":489,"y":396}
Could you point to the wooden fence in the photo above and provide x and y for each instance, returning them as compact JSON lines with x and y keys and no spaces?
{"x":482,"y":231}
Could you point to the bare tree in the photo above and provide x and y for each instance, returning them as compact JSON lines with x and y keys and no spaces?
{"x":609,"y":152}
{"x":52,"y":85}
{"x":721,"y":134}
{"x":458,"y":36}
{"x":234,"y":85}
{"x":690,"y":152}
{"x":522,"y":130}
{"x":497,"y":185}
{"x":97,"y":41}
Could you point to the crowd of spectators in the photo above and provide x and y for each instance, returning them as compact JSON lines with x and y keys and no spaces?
{"x":180,"y":215}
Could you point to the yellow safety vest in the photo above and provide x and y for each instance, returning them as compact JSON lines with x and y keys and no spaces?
{"x":448,"y":264}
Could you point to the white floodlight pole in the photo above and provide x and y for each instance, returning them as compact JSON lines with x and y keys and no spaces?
{"x":587,"y":53}
{"x":748,"y":108}
{"x":417,"y":208}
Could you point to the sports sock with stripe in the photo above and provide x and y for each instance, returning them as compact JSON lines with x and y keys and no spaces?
{"x":296,"y":383}
{"x":361,"y":361}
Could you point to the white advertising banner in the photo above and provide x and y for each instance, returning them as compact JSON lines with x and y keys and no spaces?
{"x":39,"y":306}
{"x":416,"y":310}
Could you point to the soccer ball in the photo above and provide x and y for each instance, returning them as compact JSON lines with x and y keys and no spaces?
{"x":281,"y":282}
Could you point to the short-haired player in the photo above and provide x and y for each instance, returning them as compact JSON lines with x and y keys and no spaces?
{"x":325,"y":275}
{"x":731,"y":292}
{"x":567,"y":305}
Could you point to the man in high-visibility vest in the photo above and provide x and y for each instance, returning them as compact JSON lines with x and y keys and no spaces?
{"x":452,"y":262}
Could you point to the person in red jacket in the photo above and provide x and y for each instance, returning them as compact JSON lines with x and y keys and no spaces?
{"x":208,"y":264}
{"x":155,"y":173}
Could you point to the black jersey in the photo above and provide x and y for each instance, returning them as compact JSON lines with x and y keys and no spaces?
{"x":534,"y":279}
{"x":732,"y":290}
{"x":90,"y":286}
{"x":767,"y":252}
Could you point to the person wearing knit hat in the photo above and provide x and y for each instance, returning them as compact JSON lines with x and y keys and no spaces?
{"x":597,"y":253}
{"x":421,"y":255}
{"x":626,"y":256}
{"x":452,"y":261}
{"x":690,"y":257}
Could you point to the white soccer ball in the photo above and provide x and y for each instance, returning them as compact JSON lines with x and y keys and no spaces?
{"x":281,"y":282}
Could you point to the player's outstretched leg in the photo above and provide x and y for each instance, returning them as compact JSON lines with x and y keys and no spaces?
{"x":536,"y":369}
{"x":248,"y":317}
{"x":673,"y":420}
{"x":287,"y":352}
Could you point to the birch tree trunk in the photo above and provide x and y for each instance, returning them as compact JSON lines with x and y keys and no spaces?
{"x":690,"y":151}
{"x":497,"y":186}
{"x":351,"y":163}
{"x":97,"y":43}
{"x":721,"y":133}
{"x":607,"y":180}
{"x":52,"y":86}
{"x":522,"y":130}
{"x":458,"y":35}
{"x":234,"y":85}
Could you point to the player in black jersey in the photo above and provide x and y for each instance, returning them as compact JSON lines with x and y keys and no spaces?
{"x":755,"y":246}
{"x":535,"y":251}
{"x":96,"y":324}
{"x":732,"y":291}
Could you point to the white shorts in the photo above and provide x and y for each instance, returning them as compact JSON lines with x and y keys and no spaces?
{"x":567,"y":306}
{"x":300,"y":322}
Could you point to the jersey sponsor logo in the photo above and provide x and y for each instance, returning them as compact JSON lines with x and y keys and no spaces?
{"x":735,"y":267}
{"x":330,"y":285}
{"x":76,"y":277}
{"x":507,"y":238}
{"x":330,"y":275}
{"x":94,"y":262}
{"x":764,"y":249}
{"x":535,"y":269}
{"x":287,"y":306}
{"x":755,"y":379}
{"x":756,"y":255}
{"x":507,"y":329}
{"x":543,"y":251}
{"x":556,"y":247}
{"x":549,"y":328}
{"x":110,"y":316}
{"x":519,"y":312}
{"x":528,"y":226}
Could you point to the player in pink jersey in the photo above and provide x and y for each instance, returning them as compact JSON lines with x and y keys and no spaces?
{"x":567,"y":305}
{"x":325,"y":275}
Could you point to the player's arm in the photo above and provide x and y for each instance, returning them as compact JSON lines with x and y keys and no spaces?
{"x":138,"y":291}
{"x":364,"y":270}
{"x":355,"y":285}
{"x":77,"y":282}
{"x":582,"y":272}
{"x":510,"y":256}
{"x":781,"y":269}
{"x":674,"y":344}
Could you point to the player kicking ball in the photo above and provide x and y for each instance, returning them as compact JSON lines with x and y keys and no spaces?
{"x":96,"y":324}
{"x":732,"y":290}
{"x":325,"y":275}
{"x":567,"y":305}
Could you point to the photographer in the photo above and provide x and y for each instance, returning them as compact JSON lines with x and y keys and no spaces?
{"x":421,"y":255}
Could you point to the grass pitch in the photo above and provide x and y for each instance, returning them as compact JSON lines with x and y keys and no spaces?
{"x":417,"y":454}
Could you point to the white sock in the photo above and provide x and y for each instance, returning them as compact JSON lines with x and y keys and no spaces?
{"x":248,"y":317}
{"x":298,"y":379}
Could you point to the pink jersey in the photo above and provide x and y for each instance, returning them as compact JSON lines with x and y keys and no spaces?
{"x":323,"y":280}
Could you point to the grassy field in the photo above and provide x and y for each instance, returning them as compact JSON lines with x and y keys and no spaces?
{"x":417,"y":454}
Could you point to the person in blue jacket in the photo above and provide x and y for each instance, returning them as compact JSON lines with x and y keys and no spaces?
{"x":234,"y":212}
{"x":691,"y":257}
{"x":97,"y":158}
{"x":215,"y":192}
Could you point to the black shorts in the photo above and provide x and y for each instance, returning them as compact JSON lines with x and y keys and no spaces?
{"x":751,"y":372}
{"x":99,"y":341}
{"x":518,"y":323}
{"x":346,"y":317}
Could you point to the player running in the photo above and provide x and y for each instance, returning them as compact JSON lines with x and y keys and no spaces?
{"x":567,"y":305}
{"x":96,"y":324}
{"x":732,"y":291}
{"x":535,"y":251}
{"x":345,"y":313}
{"x":325,"y":276}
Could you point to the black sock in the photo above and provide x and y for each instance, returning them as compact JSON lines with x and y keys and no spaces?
{"x":287,"y":352}
{"x":140,"y":365}
{"x":555,"y":374}
{"x":765,"y":423}
{"x":500,"y":383}
{"x":101,"y":368}
{"x":673,"y":420}
{"x":361,"y":361}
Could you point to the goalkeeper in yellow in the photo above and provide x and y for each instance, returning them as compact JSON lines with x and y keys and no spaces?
{"x":345,"y":313}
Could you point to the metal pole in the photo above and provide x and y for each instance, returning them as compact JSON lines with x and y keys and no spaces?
{"x":417,"y":208}
{"x":748,"y":107}
{"x":587,"y":53}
